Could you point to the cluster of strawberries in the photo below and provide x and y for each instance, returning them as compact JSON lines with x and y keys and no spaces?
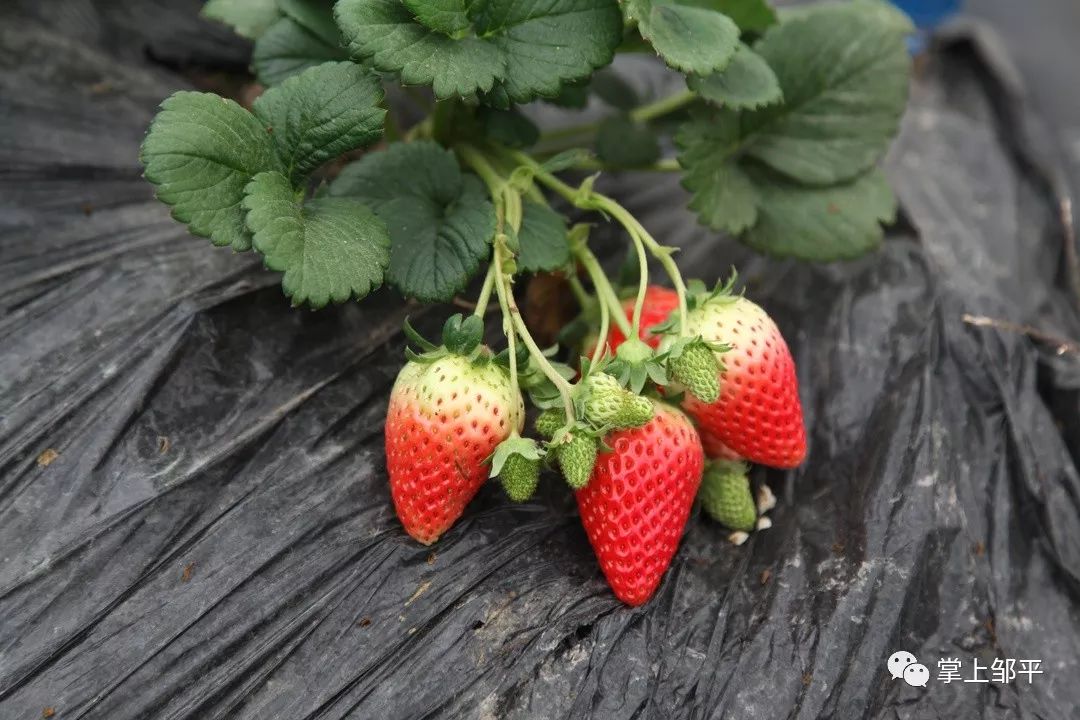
{"x":700,"y":403}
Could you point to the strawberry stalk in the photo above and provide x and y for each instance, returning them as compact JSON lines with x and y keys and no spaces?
{"x":505,"y":304}
{"x":605,"y":319}
{"x":643,"y":283}
{"x":485,"y":293}
{"x":510,"y":308}
{"x":604,"y":292}
{"x":586,"y":199}
{"x":507,"y":201}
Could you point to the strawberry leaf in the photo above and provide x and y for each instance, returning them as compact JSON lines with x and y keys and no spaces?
{"x":746,"y":83}
{"x":749,"y":15}
{"x":321,"y":113}
{"x":526,"y":48}
{"x":542,"y":239}
{"x":440,"y":220}
{"x":723,"y":195}
{"x":844,"y":74}
{"x":250,"y":18}
{"x":881,"y":10}
{"x":450,"y":17}
{"x":330,"y":249}
{"x":288,"y":48}
{"x":201,"y":152}
{"x":689,"y":35}
{"x":315,"y":16}
{"x":831,"y":223}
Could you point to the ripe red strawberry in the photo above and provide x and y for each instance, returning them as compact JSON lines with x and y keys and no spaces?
{"x":638,"y":499}
{"x":758,"y":415}
{"x":659,"y":303}
{"x":446,"y":417}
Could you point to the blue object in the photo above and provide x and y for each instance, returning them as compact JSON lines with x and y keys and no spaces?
{"x":927,"y":15}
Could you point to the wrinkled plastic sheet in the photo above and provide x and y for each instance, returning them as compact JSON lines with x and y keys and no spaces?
{"x":214,"y":537}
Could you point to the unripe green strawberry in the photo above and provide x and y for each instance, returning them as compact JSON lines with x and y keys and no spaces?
{"x":609,"y":404}
{"x":549,"y":421}
{"x":446,"y":417}
{"x":575,"y":451}
{"x":519,"y":477}
{"x":726,"y":497}
{"x":696,"y":369}
{"x":637,"y":411}
{"x":516,"y":461}
{"x":577,"y":458}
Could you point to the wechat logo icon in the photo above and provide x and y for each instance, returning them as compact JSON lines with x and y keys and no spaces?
{"x":903,"y":665}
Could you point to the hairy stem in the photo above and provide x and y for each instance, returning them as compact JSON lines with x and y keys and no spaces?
{"x":592,"y":164}
{"x":660,"y":252}
{"x":568,"y":132}
{"x":589,"y":200}
{"x":485,"y":292}
{"x":580,"y":293}
{"x":601,"y":339}
{"x":507,"y":202}
{"x":604,"y":292}
{"x":643,"y":284}
{"x":506,"y":305}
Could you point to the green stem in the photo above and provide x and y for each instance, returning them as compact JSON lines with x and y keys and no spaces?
{"x":580,"y":293}
{"x":501,"y":192}
{"x":643,"y":284}
{"x":666,"y":165}
{"x":604,"y":292}
{"x":487,"y":172}
{"x":568,"y":132}
{"x":420,"y":130}
{"x":510,"y":309}
{"x":485,"y":292}
{"x":595,"y":201}
{"x":601,"y":339}
{"x":663,"y":255}
{"x":592,"y":164}
{"x":663,"y":106}
{"x":507,"y":312}
{"x":661,"y":252}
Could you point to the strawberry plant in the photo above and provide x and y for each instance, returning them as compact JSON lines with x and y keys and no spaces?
{"x":777,"y":137}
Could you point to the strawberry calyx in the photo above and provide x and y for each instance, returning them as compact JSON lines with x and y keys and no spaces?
{"x":543,"y":393}
{"x":634,"y":364}
{"x":461,"y":335}
{"x":699,"y":295}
